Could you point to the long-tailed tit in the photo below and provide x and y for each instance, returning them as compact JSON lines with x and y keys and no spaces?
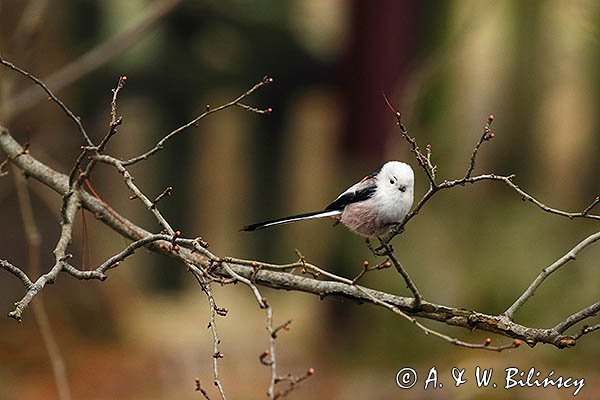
{"x":370,"y":207}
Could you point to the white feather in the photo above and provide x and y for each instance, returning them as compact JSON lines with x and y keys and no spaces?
{"x":303,"y":218}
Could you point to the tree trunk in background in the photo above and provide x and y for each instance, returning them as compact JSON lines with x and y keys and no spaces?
{"x":381,"y":46}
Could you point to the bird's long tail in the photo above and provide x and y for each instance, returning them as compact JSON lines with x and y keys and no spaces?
{"x":292,"y":218}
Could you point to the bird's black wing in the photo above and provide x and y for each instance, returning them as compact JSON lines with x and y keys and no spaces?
{"x":359,"y":192}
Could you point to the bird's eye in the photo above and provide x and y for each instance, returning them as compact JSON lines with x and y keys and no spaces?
{"x":403,"y":188}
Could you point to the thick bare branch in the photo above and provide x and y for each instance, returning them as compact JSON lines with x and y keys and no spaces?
{"x":70,"y":208}
{"x":34,"y":240}
{"x":449,"y":315}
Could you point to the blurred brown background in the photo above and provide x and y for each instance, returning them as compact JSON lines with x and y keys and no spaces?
{"x":445,"y":64}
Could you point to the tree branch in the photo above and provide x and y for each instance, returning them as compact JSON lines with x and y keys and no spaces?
{"x":579,"y":316}
{"x":55,"y":99}
{"x":235,"y":102}
{"x":70,"y":207}
{"x":207,"y":267}
{"x":546,"y":272}
{"x":18,"y":272}
{"x":424,"y":161}
{"x":33,"y":238}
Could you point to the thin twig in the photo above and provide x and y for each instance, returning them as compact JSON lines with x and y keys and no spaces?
{"x":524,"y":195}
{"x":506,"y":179}
{"x":113,"y":261}
{"x":285,"y":326}
{"x":586,"y":330}
{"x":217,"y":355}
{"x":367,"y":268}
{"x":65,"y":109}
{"x":55,"y":99}
{"x":200,"y":389}
{"x":262,"y":302}
{"x":120,"y":166}
{"x":409,"y":283}
{"x":115,"y":122}
{"x":485,"y":136}
{"x":18,"y":272}
{"x":293,"y":383}
{"x":272,"y":354}
{"x":235,"y":102}
{"x":430,"y":169}
{"x":577,"y":317}
{"x":422,"y":159}
{"x":255,"y":110}
{"x":546,"y":272}
{"x":388,"y":252}
{"x":166,"y":192}
{"x":591,"y":206}
{"x":272,"y":362}
{"x":449,"y":339}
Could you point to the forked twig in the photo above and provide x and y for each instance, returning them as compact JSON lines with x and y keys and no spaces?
{"x":235,"y":102}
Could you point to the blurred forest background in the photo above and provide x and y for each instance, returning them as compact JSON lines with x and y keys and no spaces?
{"x":446,"y":65}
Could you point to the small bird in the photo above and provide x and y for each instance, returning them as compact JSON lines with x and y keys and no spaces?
{"x":370,"y":207}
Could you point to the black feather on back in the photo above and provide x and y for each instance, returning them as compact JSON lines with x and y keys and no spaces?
{"x":352,"y":197}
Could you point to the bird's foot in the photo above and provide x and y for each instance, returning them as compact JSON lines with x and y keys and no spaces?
{"x":382,"y":250}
